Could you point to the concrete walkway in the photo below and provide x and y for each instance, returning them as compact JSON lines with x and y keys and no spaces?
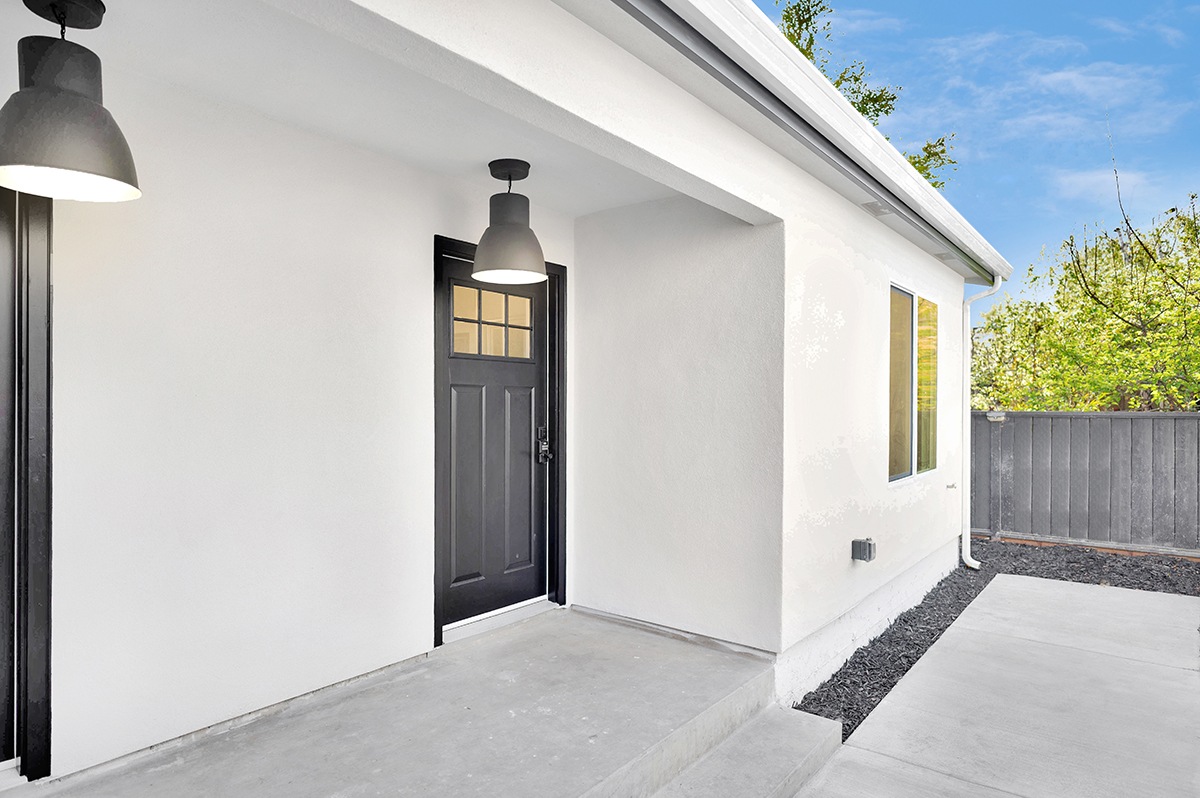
{"x":1041,"y":688}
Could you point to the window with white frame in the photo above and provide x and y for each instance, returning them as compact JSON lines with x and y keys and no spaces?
{"x":912,"y":380}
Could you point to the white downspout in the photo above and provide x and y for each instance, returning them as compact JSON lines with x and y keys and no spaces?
{"x":968,"y":560}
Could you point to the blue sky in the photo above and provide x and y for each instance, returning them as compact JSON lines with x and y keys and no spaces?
{"x":1031,"y":90}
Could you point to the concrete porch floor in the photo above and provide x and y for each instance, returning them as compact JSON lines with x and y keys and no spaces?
{"x":561,"y":704}
{"x":1040,"y":688}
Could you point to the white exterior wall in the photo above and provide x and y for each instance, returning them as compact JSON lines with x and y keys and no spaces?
{"x":836,"y":484}
{"x":676,"y":466}
{"x":243,"y":422}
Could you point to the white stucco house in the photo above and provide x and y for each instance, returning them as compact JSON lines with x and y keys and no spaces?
{"x":750,"y":350}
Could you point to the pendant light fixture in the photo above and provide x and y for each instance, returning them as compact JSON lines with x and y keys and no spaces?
{"x":509,"y":252}
{"x":56,"y":138}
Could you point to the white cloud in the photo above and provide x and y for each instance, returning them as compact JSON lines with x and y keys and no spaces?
{"x":1098,"y":185}
{"x":1144,"y":195}
{"x":1102,"y":82}
{"x":1152,"y":24}
{"x":974,"y":47}
{"x":1114,"y":26}
{"x":862,"y":20}
{"x":994,"y":88}
{"x":998,"y":47}
{"x":1047,"y":124}
{"x":1128,"y":96}
{"x":1172,"y":36}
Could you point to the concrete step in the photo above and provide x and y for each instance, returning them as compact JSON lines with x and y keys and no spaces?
{"x":685,"y":745}
{"x":772,"y":756}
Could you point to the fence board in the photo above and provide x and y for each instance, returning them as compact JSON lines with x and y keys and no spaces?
{"x":994,"y":469}
{"x":1022,"y":474}
{"x":1099,"y":475}
{"x":1006,"y":475}
{"x":1078,"y":475}
{"x":1164,"y":481}
{"x":1120,"y":483}
{"x":1185,"y":483}
{"x":1141,"y":494}
{"x":1040,"y":476}
{"x":1060,"y":475}
{"x":981,"y":477}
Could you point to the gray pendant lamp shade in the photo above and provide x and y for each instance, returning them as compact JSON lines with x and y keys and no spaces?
{"x":509,"y":252}
{"x":56,"y":138}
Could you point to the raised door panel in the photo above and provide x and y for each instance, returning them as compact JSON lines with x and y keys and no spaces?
{"x":519,"y":463}
{"x":467,"y":448}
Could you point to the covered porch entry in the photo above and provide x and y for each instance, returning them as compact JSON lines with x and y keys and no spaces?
{"x":244,"y":358}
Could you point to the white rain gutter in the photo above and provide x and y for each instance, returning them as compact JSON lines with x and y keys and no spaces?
{"x":704,"y":30}
{"x":967,"y":559}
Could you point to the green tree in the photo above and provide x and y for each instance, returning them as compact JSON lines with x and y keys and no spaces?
{"x":808,"y":25}
{"x":1119,"y":331}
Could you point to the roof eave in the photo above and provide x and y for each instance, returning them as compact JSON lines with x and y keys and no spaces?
{"x":734,"y":42}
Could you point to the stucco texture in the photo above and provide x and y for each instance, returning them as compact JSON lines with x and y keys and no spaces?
{"x":677,"y":384}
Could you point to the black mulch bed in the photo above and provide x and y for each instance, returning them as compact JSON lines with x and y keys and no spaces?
{"x":851,"y":693}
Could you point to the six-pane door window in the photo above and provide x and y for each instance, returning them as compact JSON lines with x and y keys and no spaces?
{"x":492,"y":323}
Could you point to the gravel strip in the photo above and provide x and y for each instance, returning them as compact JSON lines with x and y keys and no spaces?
{"x":851,"y":693}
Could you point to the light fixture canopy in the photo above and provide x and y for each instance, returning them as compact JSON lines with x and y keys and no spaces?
{"x":509,"y":252}
{"x":56,"y":138}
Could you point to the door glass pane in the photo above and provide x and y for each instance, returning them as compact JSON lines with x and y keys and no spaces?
{"x":518,"y":342}
{"x":493,"y":307}
{"x":466,"y":337}
{"x":518,"y":311}
{"x":926,"y":385}
{"x":466,"y":302}
{"x":493,"y":340}
{"x":900,"y":386}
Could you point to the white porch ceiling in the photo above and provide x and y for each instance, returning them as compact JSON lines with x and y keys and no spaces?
{"x":250,"y":54}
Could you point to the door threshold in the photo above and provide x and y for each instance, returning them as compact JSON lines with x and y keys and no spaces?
{"x":9,"y":777}
{"x":478,"y":624}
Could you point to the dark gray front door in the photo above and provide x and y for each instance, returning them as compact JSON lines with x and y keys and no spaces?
{"x":492,"y":408}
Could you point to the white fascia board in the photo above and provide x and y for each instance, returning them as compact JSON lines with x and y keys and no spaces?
{"x":751,"y":40}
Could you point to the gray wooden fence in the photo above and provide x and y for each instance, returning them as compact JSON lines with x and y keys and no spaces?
{"x":1127,"y":478}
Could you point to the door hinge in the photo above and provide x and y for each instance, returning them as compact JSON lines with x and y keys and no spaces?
{"x":544,"y":453}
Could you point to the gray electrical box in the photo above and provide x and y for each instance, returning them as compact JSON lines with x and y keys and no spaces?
{"x":862,"y":550}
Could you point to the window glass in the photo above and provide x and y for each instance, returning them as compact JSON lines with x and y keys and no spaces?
{"x":518,"y":311}
{"x":493,"y":307}
{"x":493,"y":340}
{"x":926,"y":385}
{"x":900,"y":389}
{"x":518,"y":342}
{"x":466,"y":337}
{"x":466,"y":302}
